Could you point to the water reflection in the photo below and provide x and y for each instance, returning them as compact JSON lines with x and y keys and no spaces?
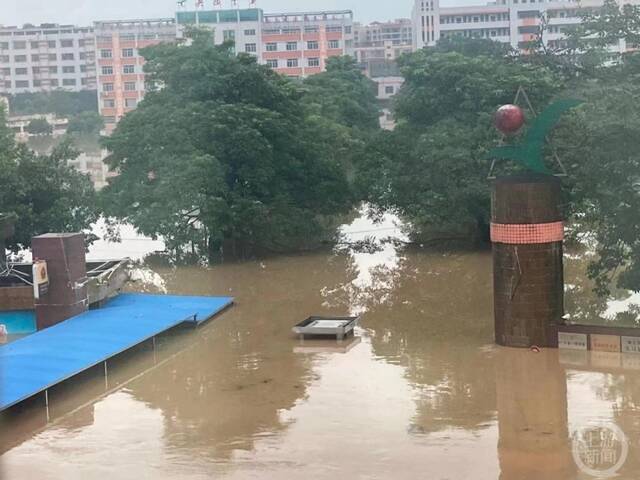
{"x":422,"y":392}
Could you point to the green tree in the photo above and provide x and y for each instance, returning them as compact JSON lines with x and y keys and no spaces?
{"x":58,"y":102}
{"x":222,"y":156}
{"x":41,"y":191}
{"x":39,"y":126}
{"x":344,"y":94}
{"x":87,"y":122}
{"x":432,"y":170}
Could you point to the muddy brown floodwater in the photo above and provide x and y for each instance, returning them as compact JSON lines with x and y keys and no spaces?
{"x":421,"y":392}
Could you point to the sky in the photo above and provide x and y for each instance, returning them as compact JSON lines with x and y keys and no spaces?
{"x":84,"y":12}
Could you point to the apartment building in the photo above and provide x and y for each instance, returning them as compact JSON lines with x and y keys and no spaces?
{"x":120,"y":77}
{"x":294,"y":44}
{"x":299,"y":44}
{"x":46,"y":57}
{"x":382,"y":40}
{"x":515,"y":22}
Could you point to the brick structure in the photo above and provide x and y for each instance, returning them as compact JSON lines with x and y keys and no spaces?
{"x":66,"y":263}
{"x":527,"y":260}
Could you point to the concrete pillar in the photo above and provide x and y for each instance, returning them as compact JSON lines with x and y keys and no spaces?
{"x":527,"y":233}
{"x":66,"y":264}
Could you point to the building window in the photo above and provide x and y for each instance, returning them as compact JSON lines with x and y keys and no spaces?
{"x":21,"y":71}
{"x":37,"y":83}
{"x":347,"y":29}
{"x":53,"y":69}
{"x":22,"y":83}
{"x":333,"y":44}
{"x":20,"y":58}
{"x":107,"y":70}
{"x":127,"y":52}
{"x":83,"y":68}
{"x":250,"y":33}
{"x":35,"y":45}
{"x":5,"y":71}
{"x":106,"y":54}
{"x":313,"y":45}
{"x":66,"y":43}
{"x":21,"y":45}
{"x":291,"y":46}
{"x":273,"y":63}
{"x":69,"y":82}
{"x":272,"y":47}
{"x":292,"y":62}
{"x":51,"y":43}
{"x":69,"y":69}
{"x":4,"y":58}
{"x":130,"y":102}
{"x":53,"y":57}
{"x":128,"y":69}
{"x":109,"y":103}
{"x":35,"y":58}
{"x":389,"y":90}
{"x":127,"y":37}
{"x":67,"y":56}
{"x":4,"y":45}
{"x":228,"y":35}
{"x":107,"y":87}
{"x":314,"y":62}
{"x":250,"y":48}
{"x":130,"y":86}
{"x":53,"y":82}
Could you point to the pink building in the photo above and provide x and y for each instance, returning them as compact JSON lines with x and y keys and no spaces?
{"x":121,"y":83}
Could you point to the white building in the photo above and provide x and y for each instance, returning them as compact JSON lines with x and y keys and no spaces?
{"x":93,"y":165}
{"x":516,"y":22}
{"x":46,"y":57}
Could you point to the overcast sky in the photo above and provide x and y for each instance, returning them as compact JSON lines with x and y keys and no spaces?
{"x":83,"y":12}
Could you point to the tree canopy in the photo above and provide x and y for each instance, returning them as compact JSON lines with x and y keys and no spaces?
{"x":224,"y":154}
{"x":41,"y":191}
{"x":39,"y":126}
{"x":58,"y":102}
{"x":87,"y":122}
{"x":432,"y":169}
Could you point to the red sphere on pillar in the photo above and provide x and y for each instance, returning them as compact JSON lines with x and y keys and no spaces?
{"x":509,"y":119}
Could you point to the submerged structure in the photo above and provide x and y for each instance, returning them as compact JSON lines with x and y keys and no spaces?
{"x":80,"y":316}
{"x":527,"y":232}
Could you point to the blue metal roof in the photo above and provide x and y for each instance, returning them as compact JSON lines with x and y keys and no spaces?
{"x":37,"y":362}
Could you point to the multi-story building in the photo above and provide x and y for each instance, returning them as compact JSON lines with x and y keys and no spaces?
{"x":382,"y":41}
{"x":46,"y":57}
{"x":299,"y":44}
{"x":516,"y":22}
{"x":120,"y":78}
{"x":294,"y":44}
{"x":241,"y":26}
{"x":377,"y":46}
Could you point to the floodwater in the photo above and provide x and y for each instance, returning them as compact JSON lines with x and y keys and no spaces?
{"x":420,"y":392}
